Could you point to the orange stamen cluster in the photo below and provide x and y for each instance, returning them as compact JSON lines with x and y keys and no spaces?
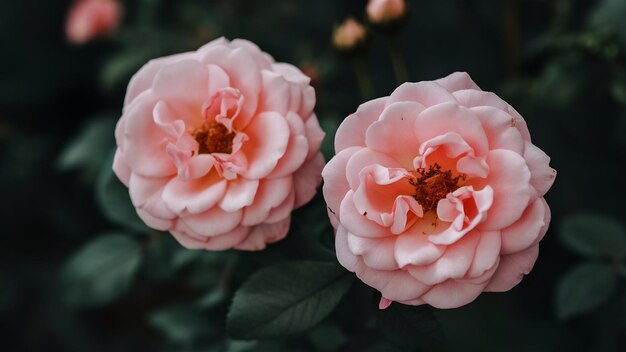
{"x":213,"y":138}
{"x":433,"y":184}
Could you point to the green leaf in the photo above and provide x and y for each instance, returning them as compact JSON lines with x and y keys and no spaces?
{"x":114,"y":200}
{"x":101,"y":271}
{"x":410,"y":326}
{"x":327,"y":337}
{"x":584,"y":288}
{"x":286,"y":298}
{"x":181,"y":324}
{"x":87,"y":150}
{"x":594,"y":235}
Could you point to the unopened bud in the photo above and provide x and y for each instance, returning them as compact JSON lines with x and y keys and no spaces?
{"x":349,"y":36}
{"x":386,"y":11}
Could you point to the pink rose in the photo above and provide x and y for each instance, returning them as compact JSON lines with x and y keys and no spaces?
{"x":219,"y":145}
{"x":349,"y":35}
{"x":89,"y":19}
{"x":436,"y":193}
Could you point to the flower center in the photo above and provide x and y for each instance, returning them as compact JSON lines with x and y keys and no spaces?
{"x":433,"y":184}
{"x":213,"y":138}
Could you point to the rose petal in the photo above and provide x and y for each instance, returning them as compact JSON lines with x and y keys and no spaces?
{"x":270,"y":194}
{"x":351,"y":132}
{"x":269,"y":136}
{"x":426,"y":93}
{"x":542,"y":175}
{"x":263,"y":234}
{"x":512,"y":269}
{"x":307,"y":179}
{"x":523,"y":233}
{"x":453,"y":264}
{"x":457,"y":81}
{"x":335,"y":183}
{"x":509,"y":177}
{"x":240,"y":194}
{"x":194,"y":196}
{"x":393,"y":133}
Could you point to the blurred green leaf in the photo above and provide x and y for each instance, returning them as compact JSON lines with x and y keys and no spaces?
{"x":609,"y":14}
{"x":410,"y":326}
{"x":101,"y":271}
{"x":327,"y":337}
{"x":593,"y":235}
{"x":181,"y":324}
{"x":584,"y":288}
{"x":114,"y":200}
{"x":286,"y":298}
{"x":87,"y":150}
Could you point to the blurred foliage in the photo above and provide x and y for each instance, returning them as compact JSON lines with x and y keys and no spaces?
{"x":80,"y":272}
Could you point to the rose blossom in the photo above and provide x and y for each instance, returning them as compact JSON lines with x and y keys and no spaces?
{"x":436,"y":193}
{"x":219,"y":145}
{"x":88,"y":19}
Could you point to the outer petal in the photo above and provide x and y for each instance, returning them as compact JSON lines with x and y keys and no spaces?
{"x":263,"y":234}
{"x":457,"y":81}
{"x":194,"y":196}
{"x":542,"y":175}
{"x":185,"y":80}
{"x":377,"y":253}
{"x":142,"y":80}
{"x":314,"y":134}
{"x":452,"y":294}
{"x":487,"y":253}
{"x":509,"y":177}
{"x":144,"y":142}
{"x":307,"y":179}
{"x":393,"y":133}
{"x":512,"y":269}
{"x":426,"y":93}
{"x":270,"y":194}
{"x":351,"y":132}
{"x":335,"y":183}
{"x":212,"y":222}
{"x":121,"y":168}
{"x":453,"y":264}
{"x":500,"y":130}
{"x":525,"y":231}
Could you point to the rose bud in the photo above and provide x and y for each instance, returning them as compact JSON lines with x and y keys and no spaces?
{"x":350,"y":36}
{"x":89,"y":19}
{"x":219,"y":145}
{"x":436,"y":193}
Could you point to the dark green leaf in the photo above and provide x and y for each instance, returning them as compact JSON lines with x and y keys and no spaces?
{"x":327,"y":337}
{"x":89,"y":147}
{"x":286,"y":298}
{"x":594,"y":235}
{"x":114,"y":200}
{"x":181,"y":323}
{"x":101,"y":271}
{"x":410,"y":326}
{"x":584,"y":288}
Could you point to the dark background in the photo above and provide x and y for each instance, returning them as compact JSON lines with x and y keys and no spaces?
{"x":560,"y":63}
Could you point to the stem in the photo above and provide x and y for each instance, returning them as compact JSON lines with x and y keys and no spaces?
{"x":397,"y":60}
{"x":363,"y":78}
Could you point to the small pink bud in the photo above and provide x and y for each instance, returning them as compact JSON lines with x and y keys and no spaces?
{"x":89,"y":19}
{"x":385,"y":11}
{"x":349,"y":35}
